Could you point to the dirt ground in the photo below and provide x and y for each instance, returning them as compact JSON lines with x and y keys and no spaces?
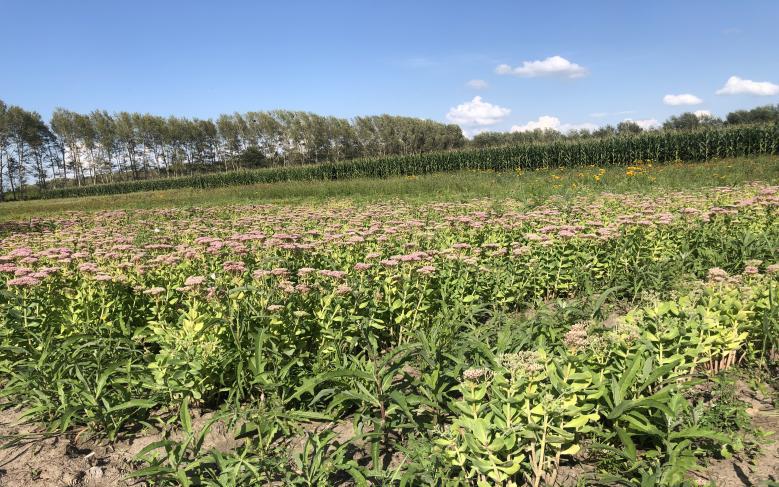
{"x":69,"y":460}
{"x":60,"y":460}
{"x":765,"y":468}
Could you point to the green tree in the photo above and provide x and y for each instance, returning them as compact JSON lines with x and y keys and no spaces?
{"x":3,"y":145}
{"x":685,"y":121}
{"x":629,"y":127}
{"x":764,"y":114}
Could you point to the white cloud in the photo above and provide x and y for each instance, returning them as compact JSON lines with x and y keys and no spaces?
{"x":683,"y":99}
{"x":702,"y":113}
{"x":471,"y":133}
{"x":477,"y":84}
{"x":503,"y":69}
{"x":738,"y":86}
{"x":546,"y":122}
{"x":477,"y":112}
{"x":551,"y":66}
{"x":646,"y":124}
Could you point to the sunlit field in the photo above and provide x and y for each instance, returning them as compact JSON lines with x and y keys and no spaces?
{"x":581,"y":326}
{"x":389,"y":244}
{"x":531,"y":187}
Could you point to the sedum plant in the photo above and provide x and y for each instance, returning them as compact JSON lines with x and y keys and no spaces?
{"x":516,"y":421}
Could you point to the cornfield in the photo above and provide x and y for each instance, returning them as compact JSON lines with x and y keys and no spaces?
{"x":659,"y":147}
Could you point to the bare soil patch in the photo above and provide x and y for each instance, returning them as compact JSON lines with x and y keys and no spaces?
{"x":31,"y":457}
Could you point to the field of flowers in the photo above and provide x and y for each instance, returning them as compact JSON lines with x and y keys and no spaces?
{"x":478,"y":343}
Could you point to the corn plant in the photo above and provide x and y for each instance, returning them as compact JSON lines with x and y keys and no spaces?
{"x":666,"y":146}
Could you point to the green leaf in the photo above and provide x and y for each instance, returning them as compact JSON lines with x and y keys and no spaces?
{"x":602,"y":299}
{"x":134,"y":403}
{"x":627,"y":443}
{"x":580,"y":421}
{"x":571,"y":450}
{"x":186,"y":419}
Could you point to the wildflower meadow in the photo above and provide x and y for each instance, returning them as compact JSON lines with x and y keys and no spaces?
{"x":582,"y":341}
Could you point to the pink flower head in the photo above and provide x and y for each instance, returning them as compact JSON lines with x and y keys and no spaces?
{"x":521,"y":250}
{"x":211,"y":293}
{"x":414,"y":257}
{"x":427,"y":270}
{"x":576,"y":337}
{"x":88,"y":267}
{"x":194,"y":281}
{"x":362,"y":266}
{"x":332,"y":274}
{"x":286,"y":286}
{"x":24,"y":281}
{"x":717,"y":275}
{"x":343,"y":289}
{"x":21,"y":252}
{"x":154,"y":291}
{"x":234,"y":267}
{"x":302,"y":288}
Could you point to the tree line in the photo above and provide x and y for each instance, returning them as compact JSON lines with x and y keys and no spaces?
{"x":75,"y":149}
{"x":685,"y":121}
{"x":656,"y":145}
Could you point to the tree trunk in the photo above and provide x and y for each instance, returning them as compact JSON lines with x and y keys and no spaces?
{"x":64,"y":164}
{"x":20,"y":168}
{"x":11,"y":176}
{"x":2,"y":191}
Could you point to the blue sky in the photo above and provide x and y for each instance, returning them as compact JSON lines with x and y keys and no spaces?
{"x":411,"y":58}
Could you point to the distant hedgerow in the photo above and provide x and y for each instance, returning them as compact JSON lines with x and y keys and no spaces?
{"x":666,"y":146}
